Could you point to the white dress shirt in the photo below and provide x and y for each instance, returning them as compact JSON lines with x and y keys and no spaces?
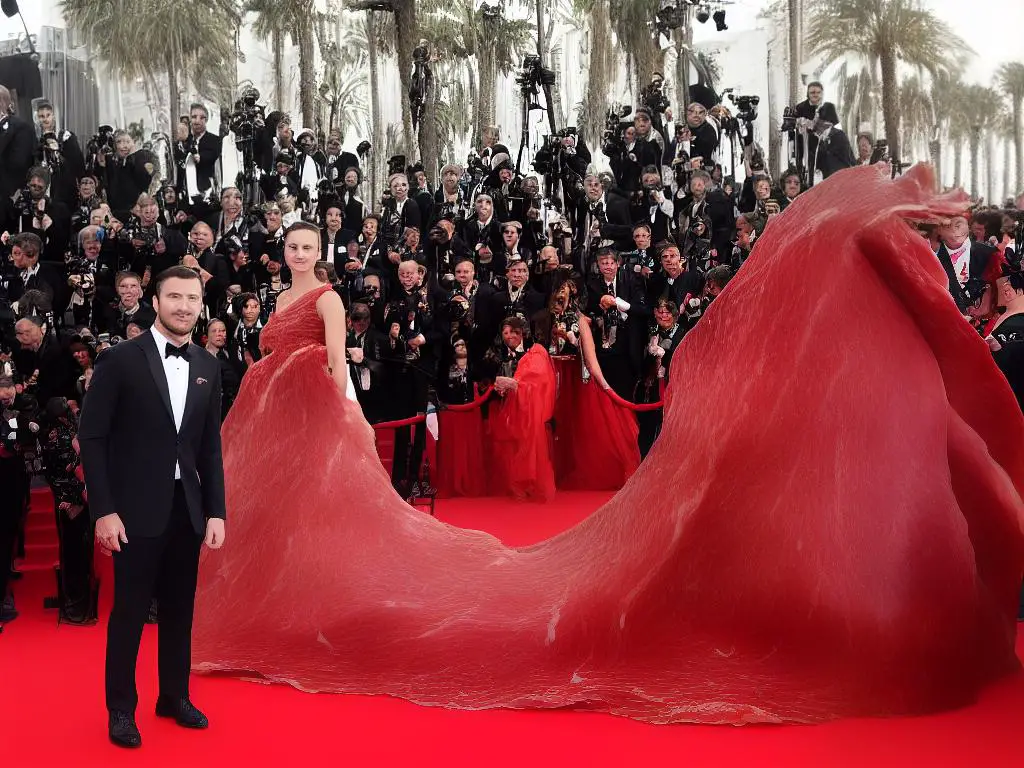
{"x":177,"y":371}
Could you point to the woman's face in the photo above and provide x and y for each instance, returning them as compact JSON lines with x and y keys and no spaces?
{"x":864,"y":148}
{"x":82,"y":358}
{"x":301,"y":250}
{"x":231,"y":202}
{"x":333,"y":219}
{"x":87,"y":188}
{"x":369,"y":229}
{"x":663,"y":317}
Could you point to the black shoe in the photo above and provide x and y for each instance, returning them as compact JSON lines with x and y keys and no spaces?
{"x":7,"y":610}
{"x":153,"y":617}
{"x":182,"y":711}
{"x":123,"y":731}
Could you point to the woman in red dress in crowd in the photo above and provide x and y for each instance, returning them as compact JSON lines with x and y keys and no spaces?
{"x":822,"y":529}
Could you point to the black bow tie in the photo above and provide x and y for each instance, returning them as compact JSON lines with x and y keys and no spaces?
{"x":172,"y":351}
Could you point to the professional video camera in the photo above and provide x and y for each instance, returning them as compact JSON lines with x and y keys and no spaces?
{"x":134,"y":230}
{"x":653,"y":95}
{"x":102,"y":142}
{"x":25,"y":205}
{"x":789,"y":118}
{"x":746,"y":107}
{"x":551,"y":161}
{"x":533,"y":75}
{"x":671,"y":15}
{"x":615,"y":123}
{"x":49,"y":148}
{"x":248,"y":117}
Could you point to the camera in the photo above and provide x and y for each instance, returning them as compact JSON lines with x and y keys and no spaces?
{"x":248,"y":117}
{"x":102,"y":142}
{"x":653,"y":96}
{"x":49,"y":148}
{"x":615,"y":123}
{"x":25,"y":205}
{"x":746,"y":107}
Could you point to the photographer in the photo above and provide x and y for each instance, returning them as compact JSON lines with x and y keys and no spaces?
{"x":702,"y":136}
{"x":32,"y":211}
{"x":450,"y":199}
{"x":90,"y":277}
{"x":59,"y":152}
{"x":664,"y":337}
{"x":266,"y":248}
{"x":678,"y":278}
{"x":482,"y":234}
{"x":352,"y":206}
{"x":86,"y":201}
{"x":127,"y":308}
{"x":34,"y":275}
{"x":155,"y":247}
{"x":15,"y":155}
{"x":443,"y":251}
{"x":212,"y":268}
{"x":512,"y":247}
{"x":814,"y":116}
{"x":618,"y":309}
{"x":371,"y":361}
{"x":651,"y":206}
{"x":641,"y":260}
{"x":701,"y":201}
{"x":283,"y":181}
{"x":654,"y":100}
{"x":124,"y":173}
{"x":202,"y":152}
{"x":339,"y":163}
{"x":601,"y":219}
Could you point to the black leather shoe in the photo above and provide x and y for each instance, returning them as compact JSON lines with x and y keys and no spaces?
{"x":182,"y":711}
{"x":123,"y":731}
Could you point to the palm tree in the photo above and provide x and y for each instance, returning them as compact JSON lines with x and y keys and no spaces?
{"x":266,"y":27}
{"x":982,"y":104}
{"x":277,"y":19}
{"x":917,"y":113}
{"x":857,"y":95}
{"x":883,"y":33}
{"x":1011,"y":80}
{"x":1006,"y":133}
{"x":630,"y":22}
{"x":142,"y":39}
{"x":600,"y":70}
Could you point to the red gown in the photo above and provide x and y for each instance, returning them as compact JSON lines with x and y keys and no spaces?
{"x":828,"y":525}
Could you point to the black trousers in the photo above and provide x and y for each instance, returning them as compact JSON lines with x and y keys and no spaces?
{"x":14,"y":484}
{"x":76,"y":552}
{"x":165,"y":567}
{"x":649,"y":423}
{"x":410,"y":442}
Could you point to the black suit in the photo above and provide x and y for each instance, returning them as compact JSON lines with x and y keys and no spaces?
{"x":49,"y":279}
{"x":208,"y":148}
{"x":966,"y":295}
{"x":129,"y":447}
{"x":620,"y":362}
{"x":17,"y":146}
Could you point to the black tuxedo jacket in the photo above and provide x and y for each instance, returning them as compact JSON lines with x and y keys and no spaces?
{"x":129,"y":443}
{"x":619,"y":226}
{"x":17,"y":145}
{"x":209,"y":149}
{"x":49,"y":279}
{"x":965,"y":296}
{"x":689,"y":283}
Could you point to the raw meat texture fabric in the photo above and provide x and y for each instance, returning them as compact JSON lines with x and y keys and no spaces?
{"x":519,"y":438}
{"x":828,"y":526}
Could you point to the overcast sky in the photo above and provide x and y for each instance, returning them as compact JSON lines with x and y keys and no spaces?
{"x":1003,"y":21}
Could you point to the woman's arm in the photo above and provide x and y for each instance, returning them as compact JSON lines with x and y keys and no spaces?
{"x":332,"y":311}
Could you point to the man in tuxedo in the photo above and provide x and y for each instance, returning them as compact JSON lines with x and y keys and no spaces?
{"x":617,"y":305}
{"x":601,"y":220}
{"x":150,"y":447}
{"x":964,"y":261}
{"x":814,"y":109}
{"x":17,"y":145}
{"x":204,"y":150}
{"x":35,"y":275}
{"x":677,"y":280}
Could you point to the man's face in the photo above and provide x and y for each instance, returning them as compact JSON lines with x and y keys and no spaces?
{"x":307,"y":143}
{"x":421,"y":180}
{"x":663,"y":317}
{"x":762,"y":190}
{"x":178,"y":304}
{"x":274,"y":220}
{"x":37,"y":186}
{"x":46,"y":120}
{"x":512,"y":337}
{"x":91,"y":249}
{"x":549,"y":255}
{"x":511,"y":237}
{"x":629,"y":135}
{"x":450,"y":180}
{"x":21,"y":259}
{"x":792,"y":187}
{"x":351,"y":179}
{"x":978,"y":231}
{"x":333,"y":219}
{"x":99,"y":216}
{"x":608,"y":265}
{"x":698,"y":186}
{"x":955,"y":232}
{"x":231,"y":201}
{"x":518,"y":274}
{"x":642,"y":124}
{"x":814,"y":94}
{"x":197,"y":119}
{"x":696,"y":114}
{"x":484,"y":208}
{"x":594,"y":188}
{"x":29,"y":335}
{"x":408,"y":275}
{"x":412,"y":238}
{"x":360,"y":324}
{"x":334,"y":148}
{"x":464,"y":273}
{"x":129,"y":291}
{"x":671,"y":263}
{"x":124,"y":145}
{"x":87,"y":188}
{"x":7,"y":395}
{"x":218,"y":335}
{"x":148,"y":214}
{"x":369,"y":229}
{"x":505,"y":174}
{"x":864,"y":148}
{"x":284,"y":130}
{"x":251,"y":311}
{"x":202,"y":237}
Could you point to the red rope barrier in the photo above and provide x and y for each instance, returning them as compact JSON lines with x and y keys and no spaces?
{"x":457,"y":408}
{"x":400,"y":422}
{"x":633,"y":406}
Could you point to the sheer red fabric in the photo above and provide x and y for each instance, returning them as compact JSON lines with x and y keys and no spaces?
{"x":461,"y":466}
{"x":519,"y":440}
{"x":827,"y":528}
{"x":596,"y":439}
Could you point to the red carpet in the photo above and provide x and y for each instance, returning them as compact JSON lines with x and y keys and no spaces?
{"x":52,"y":704}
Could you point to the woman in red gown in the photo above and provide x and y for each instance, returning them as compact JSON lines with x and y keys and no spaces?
{"x":823,"y":529}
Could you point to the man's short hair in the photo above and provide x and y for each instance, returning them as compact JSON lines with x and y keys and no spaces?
{"x":642,"y":225}
{"x":126,"y":275}
{"x":360,"y":311}
{"x":88,"y":234}
{"x":39,"y":172}
{"x":790,"y":173}
{"x":177,"y":271}
{"x":701,"y":174}
{"x":200,"y":107}
{"x":666,"y":245}
{"x":515,"y":322}
{"x":29,"y":243}
{"x":607,"y":252}
{"x":719,"y":275}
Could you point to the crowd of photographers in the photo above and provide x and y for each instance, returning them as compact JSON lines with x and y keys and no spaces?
{"x":447,"y":285}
